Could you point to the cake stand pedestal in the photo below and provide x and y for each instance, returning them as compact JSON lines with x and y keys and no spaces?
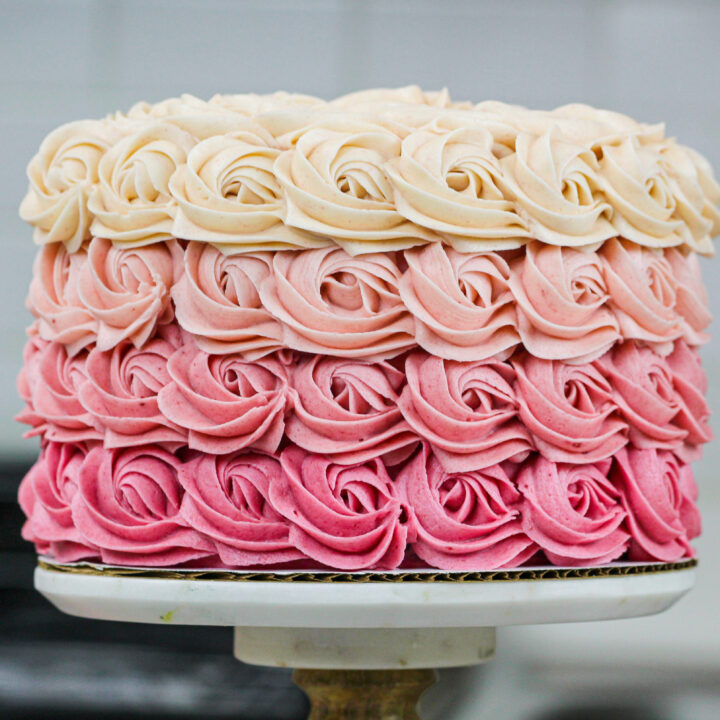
{"x":365,"y":646}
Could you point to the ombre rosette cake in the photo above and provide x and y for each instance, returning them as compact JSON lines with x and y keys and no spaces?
{"x":387,"y":331}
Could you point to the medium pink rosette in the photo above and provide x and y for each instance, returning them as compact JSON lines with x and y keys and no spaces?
{"x":642,"y":386}
{"x":45,"y":495}
{"x":691,"y":299}
{"x":466,"y":411}
{"x":226,"y":499}
{"x":347,"y":410}
{"x":226,"y":403}
{"x":573,"y":512}
{"x":343,"y":516}
{"x":53,"y":298}
{"x":53,"y":382}
{"x":643,"y":292}
{"x":690,"y":384}
{"x":122,"y":388}
{"x":463,"y":521}
{"x":27,"y":377}
{"x":339,"y":305}
{"x":461,"y":303}
{"x":127,"y":291}
{"x":569,"y":409}
{"x":659,"y":497}
{"x":216,"y":299}
{"x":561,"y":303}
{"x":127,"y":504}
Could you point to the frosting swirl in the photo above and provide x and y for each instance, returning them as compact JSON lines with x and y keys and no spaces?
{"x":463,"y":521}
{"x":573,"y":512}
{"x":128,"y":291}
{"x":225,"y":403}
{"x":343,"y":516}
{"x":462,"y":304}
{"x":216,"y":299}
{"x":466,"y":411}
{"x":62,"y":174}
{"x":569,"y":409}
{"x":127,"y":504}
{"x":347,"y":410}
{"x":691,"y":299}
{"x":561,"y":300}
{"x":331,"y":303}
{"x":226,"y":499}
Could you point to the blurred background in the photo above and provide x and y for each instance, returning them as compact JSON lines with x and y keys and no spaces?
{"x":65,"y":60}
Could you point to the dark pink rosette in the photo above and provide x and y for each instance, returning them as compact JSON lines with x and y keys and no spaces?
{"x":659,"y":496}
{"x":643,"y":389}
{"x":643,"y":292}
{"x":122,"y":389}
{"x":467,"y":411}
{"x":45,"y":496}
{"x":573,"y":512}
{"x":127,"y":291}
{"x":53,"y":381}
{"x":691,"y":300}
{"x":463,"y":521}
{"x":53,"y":298}
{"x":561,"y":300}
{"x":343,"y":516}
{"x":569,"y":409}
{"x":462,"y":305}
{"x":347,"y":410}
{"x":332,"y":303}
{"x":690,"y":383}
{"x":225,"y":402}
{"x":127,"y":504}
{"x":216,"y":299}
{"x":226,"y":499}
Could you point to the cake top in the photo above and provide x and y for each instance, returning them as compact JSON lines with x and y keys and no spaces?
{"x":373,"y":171}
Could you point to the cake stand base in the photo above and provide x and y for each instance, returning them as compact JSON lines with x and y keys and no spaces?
{"x":364,"y":694}
{"x":364,"y":644}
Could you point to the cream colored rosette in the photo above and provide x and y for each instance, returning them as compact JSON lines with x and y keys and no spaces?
{"x":132,"y":203}
{"x":336,"y":185}
{"x":448,"y":181}
{"x":227,"y":194}
{"x":639,"y":190}
{"x":62,"y":174}
{"x":554,"y":183}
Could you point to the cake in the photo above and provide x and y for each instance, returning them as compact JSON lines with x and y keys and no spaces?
{"x":386,"y":331}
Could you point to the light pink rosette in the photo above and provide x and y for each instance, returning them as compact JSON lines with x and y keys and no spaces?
{"x":643,"y":389}
{"x":226,"y":499}
{"x":51,"y":381}
{"x":343,"y":516}
{"x":128,"y":290}
{"x":573,"y":512}
{"x":463,"y":521}
{"x":122,"y":389}
{"x":659,"y":496}
{"x":225,"y":402}
{"x":127,"y":504}
{"x":561,"y":303}
{"x":462,"y":305}
{"x":347,"y":410}
{"x":690,"y":384}
{"x":643,"y":292}
{"x":332,"y":303}
{"x":569,"y":409}
{"x":45,"y":495}
{"x":54,"y":300}
{"x":691,"y":299}
{"x":466,"y":411}
{"x":216,"y":299}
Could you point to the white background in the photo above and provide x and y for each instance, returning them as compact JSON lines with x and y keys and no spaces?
{"x":660,"y":60}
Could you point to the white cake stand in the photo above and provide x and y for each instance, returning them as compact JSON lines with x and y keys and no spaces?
{"x":364,"y":645}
